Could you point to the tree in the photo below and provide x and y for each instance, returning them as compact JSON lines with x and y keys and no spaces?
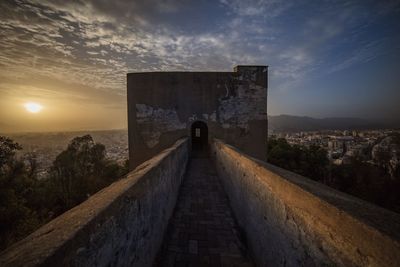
{"x":7,"y":151}
{"x":81,"y":170}
{"x":358,"y":178}
{"x":16,"y":217}
{"x":311,"y":162}
{"x":26,"y":202}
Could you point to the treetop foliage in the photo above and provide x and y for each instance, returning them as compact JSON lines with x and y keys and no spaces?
{"x":359,"y":178}
{"x":27,"y":202}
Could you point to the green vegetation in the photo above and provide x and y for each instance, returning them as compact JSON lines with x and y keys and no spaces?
{"x":311,"y":162}
{"x":81,"y":170}
{"x":358,"y":178}
{"x":27,"y":203}
{"x":16,"y":185}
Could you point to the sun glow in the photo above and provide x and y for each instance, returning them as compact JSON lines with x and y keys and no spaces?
{"x":33,"y":107}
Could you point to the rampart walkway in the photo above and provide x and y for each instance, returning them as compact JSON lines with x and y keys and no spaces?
{"x":202,"y":231}
{"x":287,"y":220}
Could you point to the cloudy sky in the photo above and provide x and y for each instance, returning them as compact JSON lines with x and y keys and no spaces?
{"x":326,"y":58}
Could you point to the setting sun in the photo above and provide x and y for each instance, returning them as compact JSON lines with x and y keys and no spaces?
{"x":33,"y":107}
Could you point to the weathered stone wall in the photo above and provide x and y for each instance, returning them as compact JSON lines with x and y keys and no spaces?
{"x":122,"y":225}
{"x":163,"y":105}
{"x":289,"y":220}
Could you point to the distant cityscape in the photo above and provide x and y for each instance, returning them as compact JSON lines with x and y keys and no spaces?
{"x":46,"y":146}
{"x":342,"y":146}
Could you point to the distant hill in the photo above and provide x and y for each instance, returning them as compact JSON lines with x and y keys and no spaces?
{"x":289,"y":123}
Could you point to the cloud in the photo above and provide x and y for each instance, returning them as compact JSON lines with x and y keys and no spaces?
{"x":264,"y":8}
{"x":363,"y":54}
{"x":91,"y":44}
{"x":96,"y":42}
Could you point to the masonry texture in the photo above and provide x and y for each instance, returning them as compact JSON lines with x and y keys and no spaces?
{"x":122,"y":225}
{"x":290,"y":220}
{"x":202,"y":231}
{"x":163,"y":105}
{"x":231,"y":209}
{"x":284,"y":219}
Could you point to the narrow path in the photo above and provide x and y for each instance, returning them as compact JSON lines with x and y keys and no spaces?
{"x":202,"y":231}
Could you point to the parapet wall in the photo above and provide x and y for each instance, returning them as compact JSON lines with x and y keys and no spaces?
{"x":122,"y":225}
{"x":289,"y":220}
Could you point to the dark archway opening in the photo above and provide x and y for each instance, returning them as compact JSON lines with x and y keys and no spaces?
{"x":199,"y":134}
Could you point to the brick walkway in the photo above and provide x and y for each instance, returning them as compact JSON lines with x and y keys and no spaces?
{"x":202,"y":231}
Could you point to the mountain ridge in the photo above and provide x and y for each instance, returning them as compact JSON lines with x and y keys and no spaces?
{"x":291,"y":123}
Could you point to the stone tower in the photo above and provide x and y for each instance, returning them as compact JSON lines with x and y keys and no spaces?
{"x":165,"y":106}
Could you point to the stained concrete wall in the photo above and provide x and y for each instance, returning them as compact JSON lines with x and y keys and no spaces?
{"x":122,"y":225}
{"x":289,"y":220}
{"x":163,"y":105}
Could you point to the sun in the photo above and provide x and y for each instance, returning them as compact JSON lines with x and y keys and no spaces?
{"x":33,"y":107}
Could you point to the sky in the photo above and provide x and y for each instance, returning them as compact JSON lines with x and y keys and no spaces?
{"x":325,"y":58}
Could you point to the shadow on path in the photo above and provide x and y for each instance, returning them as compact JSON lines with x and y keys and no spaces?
{"x":202,"y":230}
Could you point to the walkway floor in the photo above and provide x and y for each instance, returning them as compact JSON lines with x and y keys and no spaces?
{"x":202,"y":231}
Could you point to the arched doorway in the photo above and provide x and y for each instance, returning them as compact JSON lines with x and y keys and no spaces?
{"x":199,"y":134}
